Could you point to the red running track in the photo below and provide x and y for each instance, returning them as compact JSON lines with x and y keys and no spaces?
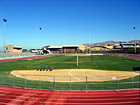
{"x":131,"y":56}
{"x":18,"y":96}
{"x":127,"y":56}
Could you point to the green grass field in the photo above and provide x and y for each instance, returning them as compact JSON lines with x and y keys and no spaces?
{"x":102,"y":62}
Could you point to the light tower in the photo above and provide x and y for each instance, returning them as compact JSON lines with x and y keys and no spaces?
{"x":135,"y":38}
{"x":40,"y":36}
{"x":5,"y":20}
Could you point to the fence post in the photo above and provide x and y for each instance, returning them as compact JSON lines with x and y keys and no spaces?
{"x":70,"y":82}
{"x":2,"y":79}
{"x":39,"y":83}
{"x":25,"y":80}
{"x":118,"y":82}
{"x":54,"y":83}
{"x":86,"y":83}
{"x":132,"y":81}
{"x":13,"y":80}
{"x":102,"y":84}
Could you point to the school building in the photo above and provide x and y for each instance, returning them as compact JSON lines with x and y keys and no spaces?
{"x":13,"y":49}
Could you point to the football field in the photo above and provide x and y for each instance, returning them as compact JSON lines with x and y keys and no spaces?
{"x":95,"y":69}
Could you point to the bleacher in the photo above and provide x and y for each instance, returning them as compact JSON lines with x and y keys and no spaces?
{"x":11,"y":56}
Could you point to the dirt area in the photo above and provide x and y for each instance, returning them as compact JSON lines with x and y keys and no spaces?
{"x":73,"y":75}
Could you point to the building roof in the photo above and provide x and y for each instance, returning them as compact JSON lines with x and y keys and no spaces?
{"x":70,"y":46}
{"x":13,"y":46}
{"x":55,"y":47}
{"x":127,"y":43}
{"x":97,"y":46}
{"x":17,"y":46}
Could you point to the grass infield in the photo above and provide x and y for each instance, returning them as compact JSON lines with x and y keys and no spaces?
{"x":99,"y":62}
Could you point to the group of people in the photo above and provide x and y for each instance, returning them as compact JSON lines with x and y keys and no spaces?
{"x":45,"y":67}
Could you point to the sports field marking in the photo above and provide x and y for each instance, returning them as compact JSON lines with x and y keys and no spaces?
{"x":72,"y":74}
{"x":77,"y":55}
{"x":87,"y":74}
{"x":75,"y":75}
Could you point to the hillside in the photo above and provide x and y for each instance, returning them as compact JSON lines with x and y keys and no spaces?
{"x":110,"y":43}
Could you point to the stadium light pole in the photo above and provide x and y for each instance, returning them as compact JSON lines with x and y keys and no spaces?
{"x":135,"y":38}
{"x":65,"y":44}
{"x":40,"y":36}
{"x":89,"y":43}
{"x":5,"y":20}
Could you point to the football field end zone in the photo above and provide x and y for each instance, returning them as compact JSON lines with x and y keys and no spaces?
{"x":73,"y":75}
{"x":14,"y":96}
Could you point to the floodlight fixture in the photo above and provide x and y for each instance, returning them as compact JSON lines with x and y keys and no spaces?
{"x":5,"y":20}
{"x":134,"y":27}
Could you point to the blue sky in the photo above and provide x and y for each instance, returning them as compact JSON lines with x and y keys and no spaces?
{"x":103,"y":20}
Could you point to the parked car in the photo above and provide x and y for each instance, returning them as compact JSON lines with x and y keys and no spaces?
{"x":33,"y":50}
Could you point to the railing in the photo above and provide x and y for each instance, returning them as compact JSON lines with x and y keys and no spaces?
{"x":84,"y":83}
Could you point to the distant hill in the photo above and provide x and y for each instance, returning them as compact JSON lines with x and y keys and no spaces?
{"x":110,"y":43}
{"x":132,"y":41}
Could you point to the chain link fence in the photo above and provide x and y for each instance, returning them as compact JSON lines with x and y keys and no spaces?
{"x":84,"y":83}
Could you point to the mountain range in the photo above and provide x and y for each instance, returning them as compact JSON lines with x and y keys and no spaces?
{"x":111,"y":43}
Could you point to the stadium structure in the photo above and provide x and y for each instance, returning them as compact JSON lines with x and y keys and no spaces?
{"x":71,"y":88}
